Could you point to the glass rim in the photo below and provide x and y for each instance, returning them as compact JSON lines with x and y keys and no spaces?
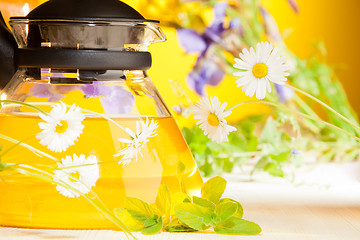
{"x":100,"y":21}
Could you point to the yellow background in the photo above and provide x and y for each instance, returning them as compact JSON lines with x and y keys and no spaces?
{"x":336,"y":23}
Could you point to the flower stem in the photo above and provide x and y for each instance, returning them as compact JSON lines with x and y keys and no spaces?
{"x":298,"y":113}
{"x":24,"y":104}
{"x":33,"y":104}
{"x":28,"y":170}
{"x":105,"y":117}
{"x":323,"y":104}
{"x":36,"y":151}
{"x":14,"y":146}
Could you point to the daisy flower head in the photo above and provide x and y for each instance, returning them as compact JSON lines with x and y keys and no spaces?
{"x":211,"y":115}
{"x":260,"y":67}
{"x":61,"y":127}
{"x":78,"y":172}
{"x":144,"y":131}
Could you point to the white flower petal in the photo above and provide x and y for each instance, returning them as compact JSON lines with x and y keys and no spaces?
{"x":216,"y":133}
{"x":88,"y":171}
{"x":271,"y":57}
{"x":144,"y":131}
{"x":59,"y":142}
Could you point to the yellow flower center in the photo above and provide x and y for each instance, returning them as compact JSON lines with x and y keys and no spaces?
{"x":213,"y":120}
{"x":62,"y":127}
{"x":73,"y":176}
{"x":260,"y":70}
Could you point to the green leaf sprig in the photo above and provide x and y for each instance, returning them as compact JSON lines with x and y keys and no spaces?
{"x":181,"y":213}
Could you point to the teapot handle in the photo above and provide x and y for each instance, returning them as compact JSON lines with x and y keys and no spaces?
{"x":8,"y":49}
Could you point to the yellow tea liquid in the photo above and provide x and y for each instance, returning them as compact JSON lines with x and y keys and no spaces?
{"x":32,"y":202}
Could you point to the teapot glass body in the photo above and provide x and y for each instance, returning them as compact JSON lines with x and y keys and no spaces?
{"x":119,"y":141}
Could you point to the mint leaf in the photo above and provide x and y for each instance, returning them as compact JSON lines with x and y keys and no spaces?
{"x":178,"y":227}
{"x":138,"y":209}
{"x":3,"y":167}
{"x":150,"y":221}
{"x":235,"y":225}
{"x":225,"y":210}
{"x":193,"y":215}
{"x":163,"y":201}
{"x":210,"y":219}
{"x":204,"y":203}
{"x":274,"y":169}
{"x":178,"y":198}
{"x":156,"y":228}
{"x":239,"y":212}
{"x":281,"y":157}
{"x":213,"y":189}
{"x":141,"y":217}
{"x":180,"y":168}
{"x":139,"y":206}
{"x":129,"y":221}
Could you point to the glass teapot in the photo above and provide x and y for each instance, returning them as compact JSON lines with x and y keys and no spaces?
{"x":82,"y":110}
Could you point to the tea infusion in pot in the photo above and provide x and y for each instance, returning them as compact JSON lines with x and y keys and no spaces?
{"x":99,"y":126}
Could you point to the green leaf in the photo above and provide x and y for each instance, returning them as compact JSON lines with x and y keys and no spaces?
{"x":225,"y":210}
{"x":270,"y":132}
{"x":193,"y":215}
{"x":239,"y":212}
{"x":129,"y":221}
{"x":213,"y":189}
{"x":180,"y":168}
{"x":163,"y":201}
{"x":156,"y":228}
{"x":253,"y":143}
{"x":150,"y":221}
{"x":204,"y":203}
{"x":138,"y":209}
{"x":139,"y":206}
{"x":178,"y":198}
{"x":235,"y":225}
{"x":178,"y":227}
{"x":141,"y":217}
{"x":281,"y":157}
{"x":274,"y":169}
{"x":180,"y":173}
{"x":3,"y":167}
{"x":210,"y":219}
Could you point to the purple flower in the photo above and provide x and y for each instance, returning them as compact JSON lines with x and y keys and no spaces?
{"x":96,"y":90}
{"x":191,"y":41}
{"x":52,"y":91}
{"x":205,"y":71}
{"x":114,"y":99}
{"x":216,"y":29}
{"x":295,"y":152}
{"x":272,"y":29}
{"x":208,"y":73}
{"x":236,"y":25}
{"x":294,"y":5}
{"x":284,"y":93}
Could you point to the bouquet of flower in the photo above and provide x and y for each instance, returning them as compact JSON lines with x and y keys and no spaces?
{"x":232,"y":44}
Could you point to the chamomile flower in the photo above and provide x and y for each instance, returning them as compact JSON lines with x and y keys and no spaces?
{"x":211,"y":115}
{"x":78,"y":172}
{"x":144,"y":131}
{"x":61,"y":127}
{"x":259,"y":68}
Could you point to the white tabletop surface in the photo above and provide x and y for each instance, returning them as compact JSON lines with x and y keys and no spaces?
{"x":321,"y":203}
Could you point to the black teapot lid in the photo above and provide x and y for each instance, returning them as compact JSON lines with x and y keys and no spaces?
{"x":89,"y":12}
{"x":86,"y":10}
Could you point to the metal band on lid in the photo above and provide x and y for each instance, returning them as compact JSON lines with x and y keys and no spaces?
{"x":83,"y":59}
